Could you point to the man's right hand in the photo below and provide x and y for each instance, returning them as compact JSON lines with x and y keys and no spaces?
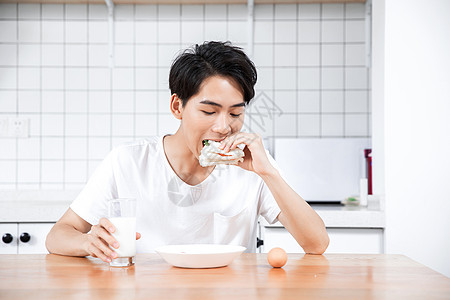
{"x":73,"y":236}
{"x":99,"y":241}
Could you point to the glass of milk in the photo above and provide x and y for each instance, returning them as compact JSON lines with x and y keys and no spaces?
{"x":122,"y":214}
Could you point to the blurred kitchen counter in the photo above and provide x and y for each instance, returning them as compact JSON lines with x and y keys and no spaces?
{"x":34,"y":206}
{"x":341,"y":216}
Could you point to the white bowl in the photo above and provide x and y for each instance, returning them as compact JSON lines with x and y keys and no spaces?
{"x":199,"y":255}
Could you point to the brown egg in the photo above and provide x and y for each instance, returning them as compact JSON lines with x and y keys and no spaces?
{"x":277,"y":257}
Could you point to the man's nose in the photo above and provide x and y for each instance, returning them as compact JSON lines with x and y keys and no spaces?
{"x":222,"y":125}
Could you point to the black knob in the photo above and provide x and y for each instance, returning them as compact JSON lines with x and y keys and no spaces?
{"x":7,"y":238}
{"x":259,"y":242}
{"x":25,"y":237}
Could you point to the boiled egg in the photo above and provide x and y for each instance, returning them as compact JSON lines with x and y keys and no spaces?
{"x":277,"y":257}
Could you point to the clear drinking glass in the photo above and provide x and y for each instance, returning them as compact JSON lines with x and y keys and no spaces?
{"x":122,"y":214}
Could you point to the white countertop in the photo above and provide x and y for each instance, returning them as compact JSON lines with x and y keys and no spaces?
{"x":340,"y":216}
{"x":32,"y":211}
{"x":34,"y":206}
{"x":49,"y":206}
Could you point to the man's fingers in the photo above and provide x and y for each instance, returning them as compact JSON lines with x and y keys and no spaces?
{"x":106,"y":236}
{"x":105,"y":249}
{"x":96,"y":252}
{"x":246,"y":139}
{"x":105,"y":223}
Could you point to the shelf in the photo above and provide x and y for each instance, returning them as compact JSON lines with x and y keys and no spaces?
{"x":181,"y":1}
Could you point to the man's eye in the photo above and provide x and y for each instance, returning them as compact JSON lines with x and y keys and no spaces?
{"x":207,"y":112}
{"x":235,"y":115}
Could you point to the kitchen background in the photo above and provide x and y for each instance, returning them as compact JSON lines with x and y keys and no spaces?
{"x":54,"y":71}
{"x":314,"y":83}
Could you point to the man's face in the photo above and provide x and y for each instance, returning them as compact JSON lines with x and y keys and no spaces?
{"x":214,"y":113}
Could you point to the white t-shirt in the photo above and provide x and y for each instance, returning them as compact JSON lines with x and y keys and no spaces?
{"x":223,"y":209}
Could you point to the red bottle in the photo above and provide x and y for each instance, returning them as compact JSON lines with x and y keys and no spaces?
{"x":368,"y":156}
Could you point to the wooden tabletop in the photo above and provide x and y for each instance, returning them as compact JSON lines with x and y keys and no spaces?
{"x":331,"y":276}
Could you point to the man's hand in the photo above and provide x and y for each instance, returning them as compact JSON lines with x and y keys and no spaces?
{"x":255,"y":159}
{"x":99,"y":241}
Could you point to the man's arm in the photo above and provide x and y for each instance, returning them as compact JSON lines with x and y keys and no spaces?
{"x":69,"y":236}
{"x":302,"y":222}
{"x":296,"y":215}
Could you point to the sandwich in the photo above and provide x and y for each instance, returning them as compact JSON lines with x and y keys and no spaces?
{"x":211,"y":155}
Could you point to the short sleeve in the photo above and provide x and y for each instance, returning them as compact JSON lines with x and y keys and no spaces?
{"x":268,"y":207}
{"x":91,"y":203}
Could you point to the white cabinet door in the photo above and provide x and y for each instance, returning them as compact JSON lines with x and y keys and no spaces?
{"x":8,"y":243}
{"x":342,"y":240}
{"x":37,"y":233}
{"x":279,"y":237}
{"x":356,"y":240}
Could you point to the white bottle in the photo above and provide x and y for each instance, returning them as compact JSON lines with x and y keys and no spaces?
{"x":363,"y":190}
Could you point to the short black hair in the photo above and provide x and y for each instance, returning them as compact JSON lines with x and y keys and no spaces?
{"x":194,"y":65}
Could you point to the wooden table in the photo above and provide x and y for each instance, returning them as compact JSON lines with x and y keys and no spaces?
{"x":331,"y":276}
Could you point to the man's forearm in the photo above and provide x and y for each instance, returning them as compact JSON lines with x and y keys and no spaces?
{"x":65,"y":240}
{"x":297,"y":216}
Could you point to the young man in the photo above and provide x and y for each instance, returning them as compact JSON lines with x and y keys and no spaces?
{"x":178,"y":200}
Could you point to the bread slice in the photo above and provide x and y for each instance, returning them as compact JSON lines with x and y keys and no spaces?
{"x":211,"y":155}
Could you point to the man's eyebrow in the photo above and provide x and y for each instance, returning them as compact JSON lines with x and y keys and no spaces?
{"x":209,"y":102}
{"x":239,"y":104}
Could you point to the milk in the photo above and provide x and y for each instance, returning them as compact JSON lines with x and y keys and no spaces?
{"x":125,"y":235}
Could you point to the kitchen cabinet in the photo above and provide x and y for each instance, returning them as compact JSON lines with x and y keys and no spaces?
{"x":342,"y":240}
{"x":358,"y":229}
{"x":24,"y":238}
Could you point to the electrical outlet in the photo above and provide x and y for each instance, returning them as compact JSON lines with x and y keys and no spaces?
{"x":18,"y":127}
{"x":4,"y":128}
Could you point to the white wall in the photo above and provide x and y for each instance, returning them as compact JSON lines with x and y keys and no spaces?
{"x":417,"y":130}
{"x":54,"y":72}
{"x":378,"y":97}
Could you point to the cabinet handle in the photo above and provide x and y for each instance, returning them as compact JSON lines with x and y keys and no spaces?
{"x":25,"y":237}
{"x":259,"y":243}
{"x":7,"y":238}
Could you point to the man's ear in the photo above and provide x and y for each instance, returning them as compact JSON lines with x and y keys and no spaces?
{"x":176,"y":106}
